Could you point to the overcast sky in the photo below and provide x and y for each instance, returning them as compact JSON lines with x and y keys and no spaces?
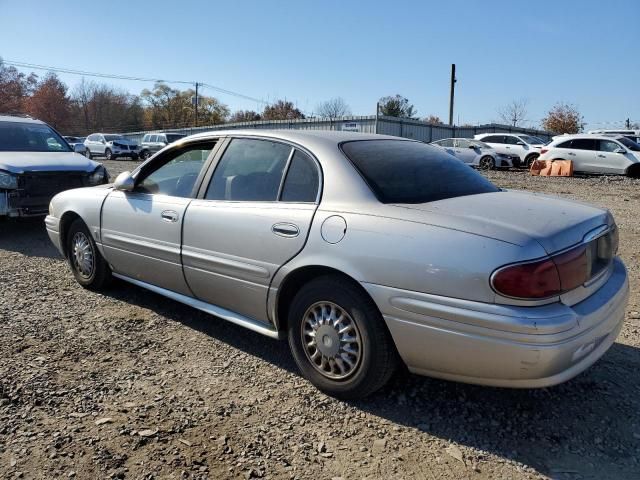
{"x":582,"y":52}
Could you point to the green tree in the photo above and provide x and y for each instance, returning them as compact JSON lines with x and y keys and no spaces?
{"x":397,"y":106}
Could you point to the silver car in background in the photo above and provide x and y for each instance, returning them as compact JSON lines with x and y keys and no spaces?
{"x":475,"y":153}
{"x":364,"y":251}
{"x":111,"y":146}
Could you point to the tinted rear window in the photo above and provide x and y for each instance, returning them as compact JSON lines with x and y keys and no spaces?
{"x":411,"y":172}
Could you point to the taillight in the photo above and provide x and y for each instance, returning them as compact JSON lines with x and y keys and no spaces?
{"x":543,"y":150}
{"x":544,"y":278}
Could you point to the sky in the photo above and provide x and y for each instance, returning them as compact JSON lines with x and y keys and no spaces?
{"x":582,"y":52}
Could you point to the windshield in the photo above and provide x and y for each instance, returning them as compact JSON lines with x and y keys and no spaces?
{"x":630,"y":144}
{"x":30,"y":137}
{"x":111,"y":138}
{"x":173,"y":137}
{"x":412,"y":172}
{"x":532,"y":140}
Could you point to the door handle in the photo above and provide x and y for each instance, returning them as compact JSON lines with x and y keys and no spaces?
{"x":169,"y":216}
{"x":572,"y":154}
{"x":285,"y":229}
{"x":602,"y":156}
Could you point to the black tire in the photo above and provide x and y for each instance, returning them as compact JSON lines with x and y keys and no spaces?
{"x":487,"y":163}
{"x":87,"y":153}
{"x":377,"y":357}
{"x":530,"y":159}
{"x":145,"y":154}
{"x":108,"y":155}
{"x":134,"y":157}
{"x":99,"y":275}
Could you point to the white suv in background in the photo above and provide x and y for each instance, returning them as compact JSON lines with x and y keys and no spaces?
{"x":525,"y":147}
{"x":590,"y":153}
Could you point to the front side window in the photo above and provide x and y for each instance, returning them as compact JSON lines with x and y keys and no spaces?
{"x":175,"y":173}
{"x":447,"y":143}
{"x":608,"y":146}
{"x":462,"y":143}
{"x":531,"y":140}
{"x":30,"y":137}
{"x":511,"y":140}
{"x":250,"y":170}
{"x":400,"y":171}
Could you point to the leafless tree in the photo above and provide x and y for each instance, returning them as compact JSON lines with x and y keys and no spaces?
{"x":334,"y":108}
{"x":514,"y":113}
{"x":433,"y":119}
{"x":563,"y":118}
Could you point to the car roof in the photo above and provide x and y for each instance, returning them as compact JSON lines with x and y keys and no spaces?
{"x":20,"y":119}
{"x":310,"y":138}
{"x":597,"y":136}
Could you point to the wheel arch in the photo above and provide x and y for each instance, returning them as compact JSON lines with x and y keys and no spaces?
{"x":295,"y":280}
{"x":633,"y":170}
{"x":65,"y":223}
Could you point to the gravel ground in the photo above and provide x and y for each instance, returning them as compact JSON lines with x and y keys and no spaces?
{"x":131,"y":385}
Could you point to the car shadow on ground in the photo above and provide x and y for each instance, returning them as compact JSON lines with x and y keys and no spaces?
{"x":27,"y":236}
{"x":588,"y":427}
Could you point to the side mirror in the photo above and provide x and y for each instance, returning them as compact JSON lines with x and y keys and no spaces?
{"x":124,"y":182}
{"x":620,"y":150}
{"x":520,"y":143}
{"x":79,"y":148}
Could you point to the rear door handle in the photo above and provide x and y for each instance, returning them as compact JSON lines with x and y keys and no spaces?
{"x":572,"y":154}
{"x":602,"y":156}
{"x":169,"y":216}
{"x":285,"y":229}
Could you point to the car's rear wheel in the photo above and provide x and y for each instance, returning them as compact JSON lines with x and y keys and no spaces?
{"x":87,"y":153}
{"x":108,"y":155}
{"x":87,"y":264}
{"x":487,"y":163}
{"x":339,"y":339}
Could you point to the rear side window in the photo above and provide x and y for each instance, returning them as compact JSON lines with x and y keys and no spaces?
{"x":301,"y":183}
{"x":493,"y":139}
{"x":446,"y":143}
{"x":412,"y":172}
{"x":583,"y":144}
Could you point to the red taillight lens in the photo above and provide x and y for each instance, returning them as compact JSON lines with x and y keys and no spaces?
{"x":545,"y":278}
{"x":528,"y":280}
{"x":543,"y":150}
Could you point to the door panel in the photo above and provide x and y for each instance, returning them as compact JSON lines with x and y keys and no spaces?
{"x":141,"y":237}
{"x":231,"y":250}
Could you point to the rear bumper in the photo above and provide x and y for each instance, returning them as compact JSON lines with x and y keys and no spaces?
{"x":499,"y":345}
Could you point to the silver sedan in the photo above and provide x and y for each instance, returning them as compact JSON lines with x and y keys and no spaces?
{"x":365,"y":251}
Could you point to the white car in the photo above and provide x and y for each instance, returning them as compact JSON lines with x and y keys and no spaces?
{"x":111,"y":146}
{"x":524,"y":147}
{"x":591,"y":153}
{"x":474,"y":153}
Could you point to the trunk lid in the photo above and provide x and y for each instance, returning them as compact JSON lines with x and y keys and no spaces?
{"x":514,"y":217}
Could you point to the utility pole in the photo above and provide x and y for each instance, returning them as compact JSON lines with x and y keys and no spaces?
{"x":196,"y":104}
{"x":453,"y":88}
{"x":377,"y":113}
{"x":628,"y":123}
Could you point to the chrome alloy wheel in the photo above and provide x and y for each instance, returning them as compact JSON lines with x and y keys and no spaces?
{"x":331,"y":340}
{"x":82,"y":255}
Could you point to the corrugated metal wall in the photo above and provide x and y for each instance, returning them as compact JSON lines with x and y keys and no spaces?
{"x":399,"y":127}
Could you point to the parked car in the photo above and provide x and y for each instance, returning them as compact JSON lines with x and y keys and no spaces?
{"x":525,"y":147}
{"x":475,"y":153}
{"x":111,"y":146}
{"x":35,"y":164}
{"x":154,"y":142}
{"x":593,"y":153}
{"x":364,"y":251}
{"x":73,"y":141}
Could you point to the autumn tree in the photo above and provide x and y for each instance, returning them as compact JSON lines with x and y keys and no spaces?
{"x":245,"y":116}
{"x":396,"y":106}
{"x":563,"y":118}
{"x":168,"y":107}
{"x":514,"y":113}
{"x":433,"y":120}
{"x":15,"y":88}
{"x":334,"y":108}
{"x":281,"y":110}
{"x":49,"y":102}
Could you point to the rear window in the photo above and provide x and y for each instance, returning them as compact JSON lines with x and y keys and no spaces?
{"x":411,"y":172}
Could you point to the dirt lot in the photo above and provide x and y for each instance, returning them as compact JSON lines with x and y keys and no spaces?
{"x":131,"y":385}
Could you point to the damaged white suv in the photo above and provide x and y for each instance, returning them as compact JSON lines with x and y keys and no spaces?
{"x":36,"y":163}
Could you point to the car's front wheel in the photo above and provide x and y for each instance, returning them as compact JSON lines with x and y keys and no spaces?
{"x":87,"y":264}
{"x":487,"y":163}
{"x":339,"y":339}
{"x":108,"y":154}
{"x":530,"y":159}
{"x":145,"y":154}
{"x":87,"y":153}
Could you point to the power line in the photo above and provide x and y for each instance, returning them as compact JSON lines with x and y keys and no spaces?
{"x":85,"y":73}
